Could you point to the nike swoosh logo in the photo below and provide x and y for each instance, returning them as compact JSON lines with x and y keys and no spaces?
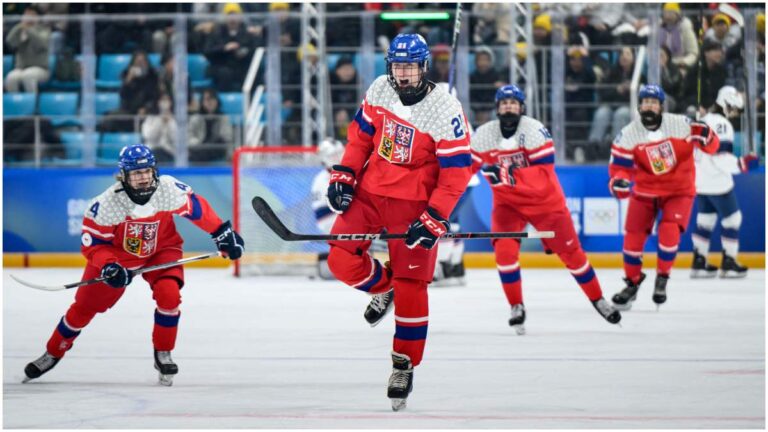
{"x":413,"y":266}
{"x":568,"y":243}
{"x":678,"y":216}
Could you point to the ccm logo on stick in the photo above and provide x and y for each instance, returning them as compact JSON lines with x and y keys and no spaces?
{"x":358,"y":236}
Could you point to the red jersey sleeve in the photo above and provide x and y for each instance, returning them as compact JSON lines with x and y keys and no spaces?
{"x":359,"y":139}
{"x":456,"y":163}
{"x":200,"y":213}
{"x":97,"y":243}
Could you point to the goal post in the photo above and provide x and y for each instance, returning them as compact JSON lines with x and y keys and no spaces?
{"x":283,"y":176}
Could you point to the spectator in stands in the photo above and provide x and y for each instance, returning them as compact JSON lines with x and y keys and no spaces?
{"x":482,"y":83}
{"x":159,"y":130}
{"x":229,"y":50}
{"x":713,"y":76}
{"x":19,"y":140}
{"x":210,"y":131}
{"x":579,"y":95}
{"x":726,"y":32}
{"x":441,"y":63}
{"x":614,"y":103}
{"x":492,"y":25}
{"x":344,"y":87}
{"x":166,"y":78}
{"x":140,"y":90}
{"x":676,"y":33}
{"x":29,"y":38}
{"x":68,"y":69}
{"x":343,"y":31}
{"x":671,"y":81}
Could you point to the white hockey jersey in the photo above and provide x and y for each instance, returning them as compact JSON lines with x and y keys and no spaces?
{"x":324,"y":217}
{"x":714,"y":173}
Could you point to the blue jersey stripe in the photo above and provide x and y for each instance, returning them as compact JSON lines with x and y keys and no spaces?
{"x":322,"y":212}
{"x":166,"y":320}
{"x":364,"y":125}
{"x":456,"y":161}
{"x":510,"y":277}
{"x":66,"y":331}
{"x":585,"y":277}
{"x":629,"y":163}
{"x":725,"y":147}
{"x":197,"y":209}
{"x":667,"y":256}
{"x":632,"y":260}
{"x":374,"y":280}
{"x":545,"y":160}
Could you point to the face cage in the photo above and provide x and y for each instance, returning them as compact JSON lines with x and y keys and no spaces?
{"x":410,"y":90}
{"x":140,"y":192}
{"x":522,"y":106}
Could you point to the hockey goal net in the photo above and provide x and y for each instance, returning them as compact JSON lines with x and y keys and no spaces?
{"x":283,"y":176}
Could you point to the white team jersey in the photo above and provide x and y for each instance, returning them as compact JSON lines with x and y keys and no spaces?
{"x":635,"y":134}
{"x":171,"y":196}
{"x":530,"y":135}
{"x":714,"y":173}
{"x":324,"y":217}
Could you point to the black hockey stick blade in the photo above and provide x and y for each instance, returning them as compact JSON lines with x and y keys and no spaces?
{"x":101,"y":279}
{"x":269,"y":217}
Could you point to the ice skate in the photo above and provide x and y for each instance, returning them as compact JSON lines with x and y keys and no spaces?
{"x":660,"y":290}
{"x":379,"y":307}
{"x":730,"y":268}
{"x":39,"y":367}
{"x":623,"y":299}
{"x":518,"y":318}
{"x":607,"y":311}
{"x":448,"y":274}
{"x":401,"y":381}
{"x":165,"y":367}
{"x":701,"y":269}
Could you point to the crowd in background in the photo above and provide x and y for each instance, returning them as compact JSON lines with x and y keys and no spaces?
{"x":601,"y":41}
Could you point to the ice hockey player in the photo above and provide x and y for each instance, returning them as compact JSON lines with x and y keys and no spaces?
{"x":330,"y":151}
{"x":656,"y":153}
{"x":516,"y":155}
{"x":406,"y":163}
{"x":129,"y":226}
{"x":714,"y":190}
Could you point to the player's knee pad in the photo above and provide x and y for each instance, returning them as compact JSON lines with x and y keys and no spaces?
{"x":410,"y":297}
{"x":339,"y":261}
{"x":732,"y":221}
{"x":707,"y":221}
{"x":167,"y":294}
{"x":79,"y":315}
{"x":573,"y":259}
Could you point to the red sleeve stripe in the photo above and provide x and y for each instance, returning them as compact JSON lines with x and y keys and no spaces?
{"x":476,"y":158}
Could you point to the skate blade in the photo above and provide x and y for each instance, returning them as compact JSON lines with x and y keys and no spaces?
{"x":26,"y":380}
{"x":519,"y":329}
{"x":398,"y":404}
{"x":622,"y":308}
{"x":165,"y":380}
{"x":732,"y":275}
{"x":701,"y":274}
{"x":449,"y":282}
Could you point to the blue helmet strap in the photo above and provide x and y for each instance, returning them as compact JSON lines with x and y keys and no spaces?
{"x":139,"y":196}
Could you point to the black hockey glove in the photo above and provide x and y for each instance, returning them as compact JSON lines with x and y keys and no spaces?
{"x":619,"y":187}
{"x":498,"y":175}
{"x":341,"y":188}
{"x":228,"y":241}
{"x":116,"y":275}
{"x":427,"y":229}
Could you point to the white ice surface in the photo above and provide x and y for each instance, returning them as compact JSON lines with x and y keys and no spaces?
{"x":292,"y":353}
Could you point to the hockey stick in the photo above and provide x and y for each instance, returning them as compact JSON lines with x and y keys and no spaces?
{"x":454,"y":47}
{"x":101,"y":279}
{"x":273,"y":222}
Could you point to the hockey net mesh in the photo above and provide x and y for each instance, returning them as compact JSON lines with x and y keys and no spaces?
{"x":283,"y":177}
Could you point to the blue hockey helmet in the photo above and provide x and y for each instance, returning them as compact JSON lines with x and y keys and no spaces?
{"x":651,"y":91}
{"x":408,"y":48}
{"x":136,"y":157}
{"x":510,"y":91}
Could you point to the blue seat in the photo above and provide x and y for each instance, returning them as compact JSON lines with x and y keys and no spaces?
{"x":154,"y":60}
{"x":73,"y":143}
{"x":198,"y":69}
{"x":110,"y":69}
{"x":62,"y":107}
{"x":18,"y":104}
{"x":58,"y":104}
{"x":332,"y":59}
{"x":113,"y":142}
{"x":379,"y":64}
{"x":7,"y":65}
{"x":106,"y":102}
{"x":232,"y":104}
{"x":472,"y":65}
